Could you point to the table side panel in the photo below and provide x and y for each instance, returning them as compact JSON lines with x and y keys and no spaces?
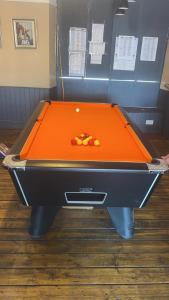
{"x":48,"y":186}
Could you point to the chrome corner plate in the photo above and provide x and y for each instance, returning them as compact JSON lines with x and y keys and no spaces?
{"x":161,"y":166}
{"x":11,"y":163}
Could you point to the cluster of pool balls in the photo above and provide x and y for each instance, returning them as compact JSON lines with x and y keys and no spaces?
{"x":85,"y":139}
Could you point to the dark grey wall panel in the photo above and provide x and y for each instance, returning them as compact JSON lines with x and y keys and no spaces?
{"x":126,"y":94}
{"x":71,"y":14}
{"x":16,"y":104}
{"x":139,"y":118}
{"x":156,"y":23}
{"x":134,"y":94}
{"x":144,"y":18}
{"x":100,"y":12}
{"x":87,"y":90}
{"x":125,"y":25}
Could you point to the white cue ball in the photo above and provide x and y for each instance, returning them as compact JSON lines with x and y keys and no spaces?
{"x":77,"y":109}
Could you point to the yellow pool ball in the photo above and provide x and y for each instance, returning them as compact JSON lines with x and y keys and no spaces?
{"x":85,"y":142}
{"x":79,"y":142}
{"x":97,"y":143}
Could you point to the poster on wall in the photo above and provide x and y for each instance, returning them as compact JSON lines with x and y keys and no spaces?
{"x":24,"y":33}
{"x":76,"y":63}
{"x":96,"y":50}
{"x":97,"y":32}
{"x":77,"y":51}
{"x":125,"y":53}
{"x":97,"y":45}
{"x":149,"y":48}
{"x":77,"y":39}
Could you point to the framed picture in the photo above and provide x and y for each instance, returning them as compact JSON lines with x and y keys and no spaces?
{"x":24,"y":33}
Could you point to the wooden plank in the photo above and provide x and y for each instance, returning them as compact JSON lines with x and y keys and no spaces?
{"x":84,"y":234}
{"x":83,"y":246}
{"x":15,"y":213}
{"x":21,"y":223}
{"x":152,"y":224}
{"x":101,"y":292}
{"x":14,"y":223}
{"x":147,"y":214}
{"x":84,"y":260}
{"x":9,"y":205}
{"x":83,"y":276}
{"x":84,"y":224}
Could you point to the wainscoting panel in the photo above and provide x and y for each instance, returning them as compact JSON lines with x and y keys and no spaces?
{"x":17,"y":104}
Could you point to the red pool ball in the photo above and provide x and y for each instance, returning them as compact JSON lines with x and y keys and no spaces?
{"x":73,"y":142}
{"x":91,"y":142}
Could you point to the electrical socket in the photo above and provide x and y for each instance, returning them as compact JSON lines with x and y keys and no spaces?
{"x":150,"y":122}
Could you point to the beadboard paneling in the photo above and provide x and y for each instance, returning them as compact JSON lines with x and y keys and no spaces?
{"x":17,"y":103}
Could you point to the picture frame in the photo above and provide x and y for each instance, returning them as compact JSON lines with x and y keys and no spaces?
{"x":24,"y":33}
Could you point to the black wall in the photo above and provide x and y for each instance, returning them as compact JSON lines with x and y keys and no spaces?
{"x":134,"y":90}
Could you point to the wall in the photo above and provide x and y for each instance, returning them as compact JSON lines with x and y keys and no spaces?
{"x":27,"y":75}
{"x":137,"y":90}
{"x":52,"y":45}
{"x":164,"y":94}
{"x":165,"y":75}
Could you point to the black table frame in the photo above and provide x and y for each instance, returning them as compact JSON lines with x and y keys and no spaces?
{"x":25,"y":175}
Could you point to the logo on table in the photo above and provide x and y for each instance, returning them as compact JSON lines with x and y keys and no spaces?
{"x":86,"y":190}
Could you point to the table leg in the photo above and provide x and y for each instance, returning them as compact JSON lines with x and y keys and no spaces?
{"x":123,"y":220}
{"x":42,"y":218}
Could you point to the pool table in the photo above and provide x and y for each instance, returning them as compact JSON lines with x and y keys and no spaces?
{"x":49,"y":171}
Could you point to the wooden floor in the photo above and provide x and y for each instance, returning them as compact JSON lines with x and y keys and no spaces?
{"x":82,"y":257}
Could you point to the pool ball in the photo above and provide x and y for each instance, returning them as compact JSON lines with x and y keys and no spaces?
{"x":91,"y":142}
{"x":73,"y":142}
{"x":85,"y":142}
{"x":79,"y":142}
{"x":97,"y":142}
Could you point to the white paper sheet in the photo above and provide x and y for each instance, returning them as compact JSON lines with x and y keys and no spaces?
{"x":77,"y":39}
{"x":125,"y":53}
{"x":149,"y":48}
{"x":77,"y":51}
{"x":124,"y":65}
{"x":96,"y":45}
{"x":96,"y":59}
{"x":97,"y":32}
{"x":126,"y":46}
{"x":96,"y":48}
{"x":76,"y":63}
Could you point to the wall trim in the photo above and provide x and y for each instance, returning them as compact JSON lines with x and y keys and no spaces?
{"x":51,"y":2}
